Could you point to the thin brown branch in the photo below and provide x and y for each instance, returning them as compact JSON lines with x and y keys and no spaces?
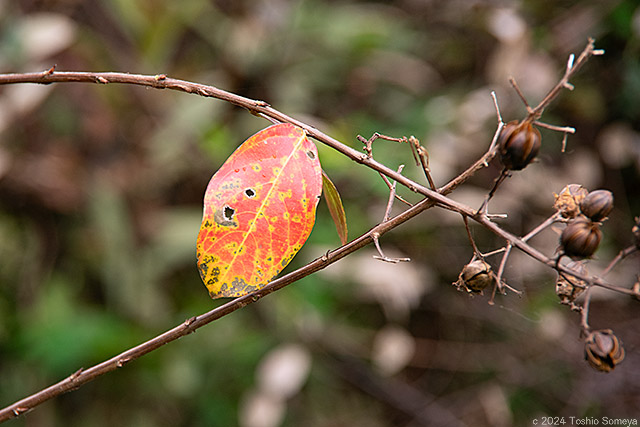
{"x":476,"y":251}
{"x":83,"y":376}
{"x":619,"y":257}
{"x":261,"y":108}
{"x":392,"y":196}
{"x":570,"y":70}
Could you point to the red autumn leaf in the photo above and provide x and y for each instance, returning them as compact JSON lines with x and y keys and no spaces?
{"x":259,"y":209}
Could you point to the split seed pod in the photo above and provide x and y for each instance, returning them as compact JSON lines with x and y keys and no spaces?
{"x":569,"y":199}
{"x":519,"y":144}
{"x":565,"y":288}
{"x":597,"y":204}
{"x":603,"y":350}
{"x":476,"y":276}
{"x":581,"y":238}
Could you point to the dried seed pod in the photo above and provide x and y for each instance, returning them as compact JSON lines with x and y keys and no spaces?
{"x":569,"y":199}
{"x":581,"y":238}
{"x":636,"y":233}
{"x":475,"y":276}
{"x":597,"y":204}
{"x":566,"y":288}
{"x":519,"y":144}
{"x":603,"y":350}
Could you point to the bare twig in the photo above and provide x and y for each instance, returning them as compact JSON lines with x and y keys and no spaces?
{"x":570,"y":70}
{"x":392,"y":195}
{"x":621,"y":255}
{"x":584,"y":322}
{"x":476,"y":251}
{"x":431,"y":198}
{"x":499,"y":180}
{"x":421,"y":156}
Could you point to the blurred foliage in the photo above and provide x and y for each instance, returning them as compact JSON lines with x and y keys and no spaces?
{"x":101,"y":191}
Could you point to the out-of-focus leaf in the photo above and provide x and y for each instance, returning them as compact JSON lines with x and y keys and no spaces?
{"x":259,"y":209}
{"x":45,"y":34}
{"x":334,"y":202}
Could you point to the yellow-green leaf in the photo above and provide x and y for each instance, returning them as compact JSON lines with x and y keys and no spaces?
{"x":334,"y":202}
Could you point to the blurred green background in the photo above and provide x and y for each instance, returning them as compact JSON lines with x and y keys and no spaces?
{"x":101,"y":194}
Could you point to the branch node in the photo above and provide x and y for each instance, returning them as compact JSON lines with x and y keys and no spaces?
{"x":73,"y":377}
{"x":19,"y":410}
{"x":50,"y":71}
{"x":122,"y":361}
{"x":160,"y":77}
{"x":382,"y":257}
{"x":261,"y":104}
{"x":102,"y":80}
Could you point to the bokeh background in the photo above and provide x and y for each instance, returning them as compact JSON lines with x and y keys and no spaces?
{"x":101,"y":190}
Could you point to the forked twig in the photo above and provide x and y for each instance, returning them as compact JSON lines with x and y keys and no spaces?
{"x":431,"y":198}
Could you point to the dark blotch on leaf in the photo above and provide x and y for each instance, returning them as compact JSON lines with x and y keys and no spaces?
{"x":311,"y":154}
{"x":225,"y":216}
{"x":250,"y":193}
{"x":228,"y":213}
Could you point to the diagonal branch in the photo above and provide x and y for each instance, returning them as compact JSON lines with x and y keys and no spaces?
{"x":431,"y":198}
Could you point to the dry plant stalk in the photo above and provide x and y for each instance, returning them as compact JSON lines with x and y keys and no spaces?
{"x":600,"y":344}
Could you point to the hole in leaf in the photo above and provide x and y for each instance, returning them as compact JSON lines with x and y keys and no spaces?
{"x":228,"y":213}
{"x":311,"y":154}
{"x":250,"y":193}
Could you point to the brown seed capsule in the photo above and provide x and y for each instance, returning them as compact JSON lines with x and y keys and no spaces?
{"x":597,"y":205}
{"x":519,"y":144}
{"x":636,"y":233}
{"x":476,"y":276}
{"x":581,"y":238}
{"x":569,"y":199}
{"x":603,"y":350}
{"x":566,"y":287}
